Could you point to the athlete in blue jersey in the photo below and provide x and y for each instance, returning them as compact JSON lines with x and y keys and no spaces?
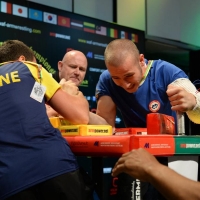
{"x":35,"y":160}
{"x":137,"y":87}
{"x":149,"y":97}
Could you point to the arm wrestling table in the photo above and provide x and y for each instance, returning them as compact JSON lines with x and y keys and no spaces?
{"x":114,"y":146}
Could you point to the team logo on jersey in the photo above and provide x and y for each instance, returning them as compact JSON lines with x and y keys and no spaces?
{"x":154,"y":106}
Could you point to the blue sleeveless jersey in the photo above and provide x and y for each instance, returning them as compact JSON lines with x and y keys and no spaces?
{"x":31,"y":150}
{"x":150,"y":97}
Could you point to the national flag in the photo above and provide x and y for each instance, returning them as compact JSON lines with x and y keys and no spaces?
{"x":133,"y":37}
{"x":76,"y":24}
{"x":6,"y":7}
{"x":35,"y":14}
{"x":124,"y":35}
{"x":88,"y":27}
{"x":64,"y":21}
{"x":101,"y":30}
{"x":21,"y":11}
{"x":49,"y":18}
{"x":112,"y":32}
{"x":52,"y":34}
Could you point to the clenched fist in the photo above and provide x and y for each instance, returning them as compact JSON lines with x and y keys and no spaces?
{"x":180,"y":99}
{"x":69,"y":87}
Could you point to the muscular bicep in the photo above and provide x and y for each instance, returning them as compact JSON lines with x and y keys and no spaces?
{"x":106,"y":108}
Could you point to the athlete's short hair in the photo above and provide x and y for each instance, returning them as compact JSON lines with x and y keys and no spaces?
{"x":11,"y":50}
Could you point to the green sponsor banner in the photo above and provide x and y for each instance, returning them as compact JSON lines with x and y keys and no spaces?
{"x":187,"y":144}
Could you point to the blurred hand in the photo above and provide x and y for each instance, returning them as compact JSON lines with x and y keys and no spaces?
{"x":136,"y":163}
{"x":180,"y":99}
{"x":69,"y":87}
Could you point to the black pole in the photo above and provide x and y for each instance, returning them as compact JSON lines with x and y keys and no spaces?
{"x":115,"y":11}
{"x":73,"y":6}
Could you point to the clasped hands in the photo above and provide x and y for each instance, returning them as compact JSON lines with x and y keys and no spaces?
{"x":69,"y":87}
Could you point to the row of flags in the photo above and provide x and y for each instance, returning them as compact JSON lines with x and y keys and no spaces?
{"x":51,"y":18}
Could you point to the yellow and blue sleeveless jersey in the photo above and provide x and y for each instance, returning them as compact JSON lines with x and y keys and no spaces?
{"x":31,"y":150}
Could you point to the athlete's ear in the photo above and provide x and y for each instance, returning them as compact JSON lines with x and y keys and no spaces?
{"x":22,"y":58}
{"x":141,"y":57}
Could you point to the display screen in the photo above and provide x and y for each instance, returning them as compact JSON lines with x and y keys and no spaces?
{"x":51,"y":32}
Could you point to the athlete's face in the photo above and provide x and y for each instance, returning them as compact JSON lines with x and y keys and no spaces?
{"x":128,"y":75}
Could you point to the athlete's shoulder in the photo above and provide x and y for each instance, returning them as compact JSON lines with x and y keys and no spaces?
{"x":162,"y":64}
{"x":11,"y":63}
{"x":105,"y":75}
